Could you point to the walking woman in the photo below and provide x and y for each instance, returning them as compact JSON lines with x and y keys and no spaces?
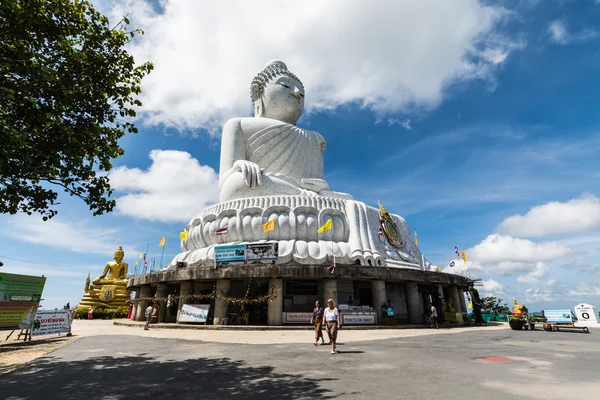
{"x":317,"y":320}
{"x":331,"y":319}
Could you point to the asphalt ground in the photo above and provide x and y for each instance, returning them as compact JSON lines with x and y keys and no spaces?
{"x":535,"y":365}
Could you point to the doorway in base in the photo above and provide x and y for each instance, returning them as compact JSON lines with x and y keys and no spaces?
{"x":248,"y":314}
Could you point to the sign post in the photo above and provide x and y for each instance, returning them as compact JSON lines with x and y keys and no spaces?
{"x":20,"y":297}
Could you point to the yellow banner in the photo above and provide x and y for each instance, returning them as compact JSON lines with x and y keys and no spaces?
{"x":183,"y":235}
{"x":269,"y":226}
{"x":326,"y":226}
{"x":162,"y":242}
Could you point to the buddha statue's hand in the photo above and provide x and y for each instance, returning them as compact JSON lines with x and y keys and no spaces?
{"x":251,"y":172}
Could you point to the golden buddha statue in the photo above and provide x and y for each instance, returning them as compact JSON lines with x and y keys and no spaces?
{"x":517,"y":309}
{"x":108,"y":290}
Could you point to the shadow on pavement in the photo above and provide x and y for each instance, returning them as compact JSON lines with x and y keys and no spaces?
{"x":145,"y":377}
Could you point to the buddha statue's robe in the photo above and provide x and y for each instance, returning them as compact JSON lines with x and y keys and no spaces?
{"x":290,"y":159}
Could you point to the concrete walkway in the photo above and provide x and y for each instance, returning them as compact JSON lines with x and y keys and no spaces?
{"x":107,"y":327}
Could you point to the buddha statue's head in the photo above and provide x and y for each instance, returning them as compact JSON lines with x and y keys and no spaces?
{"x":119,"y":254}
{"x":277,"y":93}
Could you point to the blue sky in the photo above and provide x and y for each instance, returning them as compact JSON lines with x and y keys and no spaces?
{"x":477,"y":122}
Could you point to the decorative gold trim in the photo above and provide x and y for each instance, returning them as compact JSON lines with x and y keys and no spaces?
{"x":390,"y":228}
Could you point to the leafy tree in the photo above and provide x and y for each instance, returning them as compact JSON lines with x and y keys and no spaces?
{"x":493,"y":305}
{"x":68,"y":89}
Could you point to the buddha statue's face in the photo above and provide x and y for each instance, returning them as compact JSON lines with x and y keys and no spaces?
{"x":118,"y":256}
{"x":283,"y":100}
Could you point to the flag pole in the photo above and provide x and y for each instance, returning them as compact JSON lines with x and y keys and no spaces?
{"x":163,"y":253}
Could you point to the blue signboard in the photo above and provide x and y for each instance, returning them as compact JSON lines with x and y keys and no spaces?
{"x":230,"y":253}
{"x":558,"y":316}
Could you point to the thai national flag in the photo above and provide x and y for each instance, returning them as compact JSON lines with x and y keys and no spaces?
{"x":330,"y":268}
{"x":380,"y":232}
{"x":223,"y":230}
{"x":451,"y":264}
{"x":456,"y":251}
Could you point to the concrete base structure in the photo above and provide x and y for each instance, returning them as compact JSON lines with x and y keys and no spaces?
{"x":298,"y":286}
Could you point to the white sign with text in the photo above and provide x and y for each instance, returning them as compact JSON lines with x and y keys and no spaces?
{"x":358,"y":319}
{"x":50,"y":322}
{"x":587,"y":315}
{"x":296,"y":317}
{"x":194,"y":313}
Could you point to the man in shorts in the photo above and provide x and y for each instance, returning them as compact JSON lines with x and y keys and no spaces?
{"x":434,"y":317}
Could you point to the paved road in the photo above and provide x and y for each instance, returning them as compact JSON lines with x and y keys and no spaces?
{"x":544,"y":366}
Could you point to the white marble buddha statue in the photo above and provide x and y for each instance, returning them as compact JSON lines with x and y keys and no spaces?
{"x":271,"y":170}
{"x":268,"y":155}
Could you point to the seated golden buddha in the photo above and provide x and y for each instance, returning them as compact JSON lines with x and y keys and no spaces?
{"x":114,"y":271}
{"x":110,"y":288}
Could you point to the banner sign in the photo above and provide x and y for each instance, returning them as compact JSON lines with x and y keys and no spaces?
{"x":246,"y":252}
{"x":19,"y":299}
{"x":194,"y":313}
{"x":587,"y":315}
{"x":49,"y":322}
{"x":230,"y":253}
{"x":358,"y":319}
{"x":558,"y":316}
{"x":296,"y":317}
{"x":262,"y":251}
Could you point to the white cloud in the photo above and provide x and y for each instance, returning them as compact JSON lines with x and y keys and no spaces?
{"x":390,"y":56}
{"x":554,"y":290}
{"x":172,"y":189}
{"x":498,"y":249}
{"x":63,"y":234}
{"x":559,"y":33}
{"x":405,"y":123}
{"x":577,"y":215}
{"x":540,"y":272}
{"x":492,"y":286}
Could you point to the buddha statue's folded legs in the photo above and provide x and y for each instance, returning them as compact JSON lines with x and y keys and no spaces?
{"x":235,"y":187}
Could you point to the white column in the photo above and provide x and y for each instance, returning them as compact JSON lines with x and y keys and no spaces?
{"x":461,"y":301}
{"x":186,"y":289}
{"x":379,"y":297}
{"x":162,"y":291}
{"x":220,"y":314}
{"x":455,"y":299}
{"x":276,"y":305}
{"x":330,"y":291}
{"x":146,"y":291}
{"x":413,"y":300}
{"x":135,"y":305}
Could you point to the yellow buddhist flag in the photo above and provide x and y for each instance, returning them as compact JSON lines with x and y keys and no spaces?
{"x":162,"y":242}
{"x":326,"y":226}
{"x":159,"y":267}
{"x":416,"y":238}
{"x":269,"y":226}
{"x":439,"y":269}
{"x":183,"y":235}
{"x":141,"y":255}
{"x":470,"y":304}
{"x":136,"y":264}
{"x":464,"y":255}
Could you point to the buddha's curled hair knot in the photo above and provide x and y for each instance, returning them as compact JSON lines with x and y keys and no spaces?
{"x":272,"y":70}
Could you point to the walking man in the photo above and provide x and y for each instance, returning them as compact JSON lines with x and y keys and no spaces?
{"x":148,"y":314}
{"x":434,"y":317}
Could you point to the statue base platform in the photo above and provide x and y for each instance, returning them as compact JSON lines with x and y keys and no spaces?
{"x":352,"y":240}
{"x":107,"y":296}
